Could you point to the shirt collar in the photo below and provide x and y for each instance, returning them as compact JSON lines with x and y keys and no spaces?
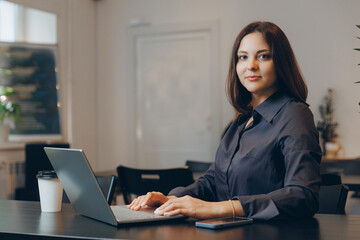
{"x":271,"y":106}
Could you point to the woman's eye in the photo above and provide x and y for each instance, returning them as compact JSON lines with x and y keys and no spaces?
{"x":264,"y":56}
{"x":242,"y":57}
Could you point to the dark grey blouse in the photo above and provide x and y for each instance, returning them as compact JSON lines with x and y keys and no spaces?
{"x":271,"y":166}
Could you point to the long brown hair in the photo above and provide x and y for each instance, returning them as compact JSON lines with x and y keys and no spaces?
{"x":289,"y":77}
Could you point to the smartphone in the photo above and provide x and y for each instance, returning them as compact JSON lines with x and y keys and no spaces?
{"x":223,"y":222}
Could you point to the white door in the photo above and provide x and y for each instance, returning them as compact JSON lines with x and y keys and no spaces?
{"x":176,"y":105}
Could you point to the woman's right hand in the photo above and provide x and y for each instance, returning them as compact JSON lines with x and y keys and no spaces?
{"x":151,"y":199}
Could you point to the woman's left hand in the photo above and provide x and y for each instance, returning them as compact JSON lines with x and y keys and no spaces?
{"x":193,"y":207}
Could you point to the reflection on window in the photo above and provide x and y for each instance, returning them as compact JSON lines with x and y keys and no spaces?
{"x":22,"y":24}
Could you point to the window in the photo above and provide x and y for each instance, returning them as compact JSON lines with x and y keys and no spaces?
{"x":22,"y":24}
{"x":28,"y":65}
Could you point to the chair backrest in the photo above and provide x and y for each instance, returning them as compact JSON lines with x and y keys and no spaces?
{"x":140,"y":181}
{"x":197,"y":166}
{"x":332,"y":199}
{"x":328,"y":179}
{"x":35,"y":160}
{"x":107,"y":185}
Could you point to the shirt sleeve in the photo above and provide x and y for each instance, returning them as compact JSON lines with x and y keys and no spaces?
{"x":298,"y":143}
{"x":202,"y":188}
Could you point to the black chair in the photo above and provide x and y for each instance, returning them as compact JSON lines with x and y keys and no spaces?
{"x":197,"y":166}
{"x":107,"y":185}
{"x":35,"y":161}
{"x":140,"y":181}
{"x":328,"y":179}
{"x":332,"y":199}
{"x":332,"y":195}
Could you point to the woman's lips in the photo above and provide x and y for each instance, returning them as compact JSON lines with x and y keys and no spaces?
{"x":253,"y":78}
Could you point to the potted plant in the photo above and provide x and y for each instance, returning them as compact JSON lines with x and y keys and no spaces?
{"x":9,"y":112}
{"x":327,"y":126}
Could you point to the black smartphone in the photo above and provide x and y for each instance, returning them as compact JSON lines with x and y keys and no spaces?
{"x":223,"y":222}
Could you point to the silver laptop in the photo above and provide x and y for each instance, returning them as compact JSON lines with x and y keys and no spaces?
{"x":85,"y":194}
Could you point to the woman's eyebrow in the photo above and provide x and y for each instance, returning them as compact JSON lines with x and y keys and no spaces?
{"x":263,"y":50}
{"x":259,"y":51}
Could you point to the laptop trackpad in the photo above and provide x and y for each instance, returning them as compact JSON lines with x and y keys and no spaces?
{"x":122,"y":213}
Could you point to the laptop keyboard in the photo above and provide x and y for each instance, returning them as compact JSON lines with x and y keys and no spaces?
{"x":122,"y":212}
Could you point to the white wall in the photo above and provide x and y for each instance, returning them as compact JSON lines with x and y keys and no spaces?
{"x":322,"y":34}
{"x":82,"y":113}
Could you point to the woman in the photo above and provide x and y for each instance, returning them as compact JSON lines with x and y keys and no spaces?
{"x":267,"y":164}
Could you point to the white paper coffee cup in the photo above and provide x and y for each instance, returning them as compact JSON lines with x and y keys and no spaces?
{"x":50,"y":190}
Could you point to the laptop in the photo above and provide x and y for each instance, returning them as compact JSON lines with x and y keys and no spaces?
{"x":85,"y":194}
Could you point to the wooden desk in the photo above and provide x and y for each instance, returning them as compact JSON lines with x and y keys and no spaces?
{"x":24,"y":220}
{"x":341,"y":166}
{"x":324,"y":159}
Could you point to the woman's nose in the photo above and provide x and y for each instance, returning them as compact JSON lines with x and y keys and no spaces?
{"x":252,"y":64}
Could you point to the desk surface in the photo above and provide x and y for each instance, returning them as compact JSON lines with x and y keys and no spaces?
{"x":24,"y":220}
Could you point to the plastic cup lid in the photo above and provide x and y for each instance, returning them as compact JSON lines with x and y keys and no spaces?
{"x":46,"y":174}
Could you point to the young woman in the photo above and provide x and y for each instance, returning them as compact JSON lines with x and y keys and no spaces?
{"x":267,"y":164}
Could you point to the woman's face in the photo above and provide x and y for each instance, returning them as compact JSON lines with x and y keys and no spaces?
{"x":255,"y":66}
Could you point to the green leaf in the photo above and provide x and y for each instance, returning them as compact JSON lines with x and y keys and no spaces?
{"x":6,"y":91}
{"x":358,"y":26}
{"x":357,"y":49}
{"x":357,"y":82}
